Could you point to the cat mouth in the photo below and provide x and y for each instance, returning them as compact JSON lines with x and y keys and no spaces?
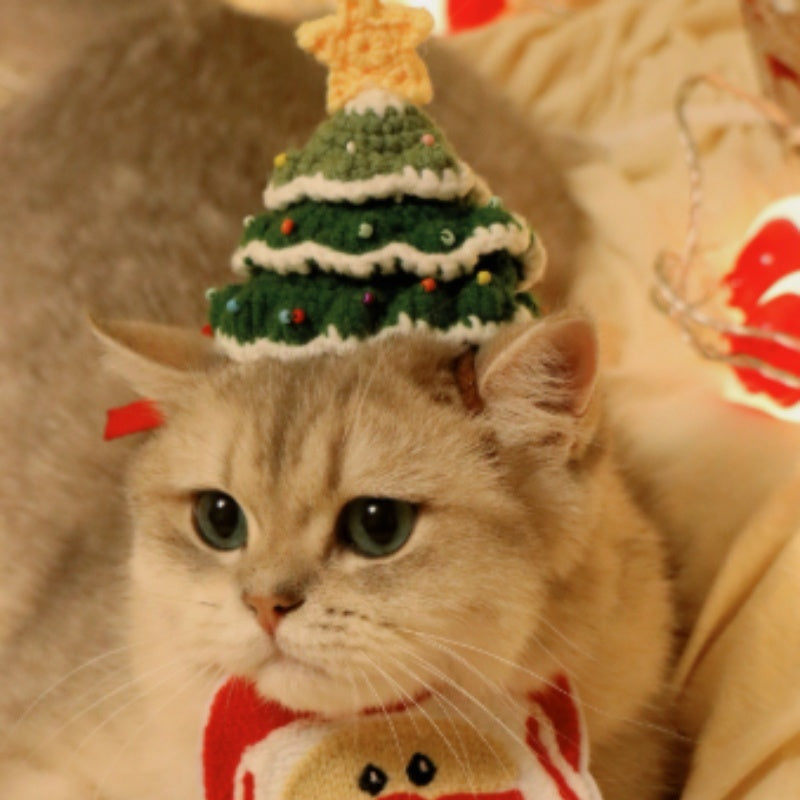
{"x":280,"y":658}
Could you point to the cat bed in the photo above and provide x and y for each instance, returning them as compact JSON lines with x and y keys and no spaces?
{"x":611,"y":72}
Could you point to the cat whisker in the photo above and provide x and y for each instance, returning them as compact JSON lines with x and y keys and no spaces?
{"x":54,"y":686}
{"x":564,"y":638}
{"x":354,"y":694}
{"x":217,"y":675}
{"x":425,"y":664}
{"x":152,"y":687}
{"x":406,"y":696}
{"x":417,"y":679}
{"x":440,"y":699}
{"x":363,"y":391}
{"x":385,"y":713}
{"x":104,"y":698}
{"x":493,"y":686}
{"x":541,"y":678}
{"x":567,"y":671}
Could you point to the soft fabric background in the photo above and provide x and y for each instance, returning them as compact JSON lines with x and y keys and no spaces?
{"x":720,"y":478}
{"x":723,"y":481}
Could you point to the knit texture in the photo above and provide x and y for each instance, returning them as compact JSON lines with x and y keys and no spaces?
{"x":375,"y":227}
{"x":264,"y":306}
{"x":388,"y":147}
{"x":380,"y":237}
{"x":535,"y":748}
{"x":366,"y":44}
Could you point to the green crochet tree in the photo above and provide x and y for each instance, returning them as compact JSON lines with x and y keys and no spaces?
{"x":374,"y":227}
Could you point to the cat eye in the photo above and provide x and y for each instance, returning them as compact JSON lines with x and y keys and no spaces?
{"x":376,"y":526}
{"x":219,"y":520}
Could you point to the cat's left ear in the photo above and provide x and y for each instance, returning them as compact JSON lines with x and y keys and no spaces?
{"x":537,"y":384}
{"x":157,"y":361}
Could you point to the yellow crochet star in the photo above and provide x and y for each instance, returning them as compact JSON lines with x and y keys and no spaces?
{"x":368,"y":45}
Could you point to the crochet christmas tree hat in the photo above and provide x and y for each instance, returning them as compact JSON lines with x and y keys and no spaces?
{"x":375,"y":227}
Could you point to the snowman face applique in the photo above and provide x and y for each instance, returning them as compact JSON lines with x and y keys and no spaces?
{"x":404,"y":757}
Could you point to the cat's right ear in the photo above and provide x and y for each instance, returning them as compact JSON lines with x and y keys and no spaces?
{"x":157,"y":361}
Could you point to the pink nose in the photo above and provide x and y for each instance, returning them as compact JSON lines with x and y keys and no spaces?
{"x":272,"y":608}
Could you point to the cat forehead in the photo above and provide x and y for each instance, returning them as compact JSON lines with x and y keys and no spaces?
{"x":414,"y":369}
{"x":375,"y":411}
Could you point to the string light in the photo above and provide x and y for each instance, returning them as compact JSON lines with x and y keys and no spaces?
{"x":765,"y":359}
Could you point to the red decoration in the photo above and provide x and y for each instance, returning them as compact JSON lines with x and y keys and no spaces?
{"x":298,"y":316}
{"x":137,"y":417}
{"x":207,"y":330}
{"x":238,"y":719}
{"x":466,"y":14}
{"x":765,"y":287}
{"x":287,"y":226}
{"x":428,"y":285}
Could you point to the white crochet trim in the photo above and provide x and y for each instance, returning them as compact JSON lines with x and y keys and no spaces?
{"x":333,"y":343}
{"x":535,"y":259}
{"x":447,"y":266}
{"x":377,"y":100}
{"x":427,"y":184}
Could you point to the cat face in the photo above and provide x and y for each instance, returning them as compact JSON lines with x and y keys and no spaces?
{"x":346,"y":531}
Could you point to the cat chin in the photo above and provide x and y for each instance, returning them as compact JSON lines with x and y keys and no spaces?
{"x":308,"y":689}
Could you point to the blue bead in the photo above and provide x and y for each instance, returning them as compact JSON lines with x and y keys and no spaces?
{"x":232,"y":305}
{"x":285,"y":316}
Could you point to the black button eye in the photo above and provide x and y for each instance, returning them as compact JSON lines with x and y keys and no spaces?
{"x":420,"y":770}
{"x":372,"y":780}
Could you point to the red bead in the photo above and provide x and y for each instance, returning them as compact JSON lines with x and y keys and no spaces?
{"x":207,"y":330}
{"x":298,"y":316}
{"x":287,"y":226}
{"x":429,"y":285}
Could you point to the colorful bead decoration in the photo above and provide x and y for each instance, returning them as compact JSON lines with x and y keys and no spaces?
{"x":298,"y":316}
{"x":285,"y":316}
{"x":428,"y":139}
{"x":368,"y":299}
{"x":232,"y":305}
{"x":280,"y":160}
{"x":484,"y":277}
{"x":448,"y":237}
{"x":365,"y":230}
{"x":428,"y":285}
{"x":287,"y":226}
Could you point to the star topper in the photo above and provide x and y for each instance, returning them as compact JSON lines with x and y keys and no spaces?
{"x":367,"y":45}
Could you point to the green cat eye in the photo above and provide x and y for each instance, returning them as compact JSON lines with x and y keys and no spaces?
{"x":376,"y":526}
{"x":219,"y":520}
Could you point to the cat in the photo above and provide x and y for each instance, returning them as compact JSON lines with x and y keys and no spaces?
{"x":125,"y":181}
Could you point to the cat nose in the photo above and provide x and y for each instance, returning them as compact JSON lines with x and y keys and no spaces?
{"x":270,"y":609}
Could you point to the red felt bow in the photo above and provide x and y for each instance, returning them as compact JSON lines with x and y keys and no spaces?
{"x":143,"y":415}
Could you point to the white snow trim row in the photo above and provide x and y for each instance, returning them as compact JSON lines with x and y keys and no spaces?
{"x":426,"y":183}
{"x":286,"y":260}
{"x":377,"y":100}
{"x":332,"y":343}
